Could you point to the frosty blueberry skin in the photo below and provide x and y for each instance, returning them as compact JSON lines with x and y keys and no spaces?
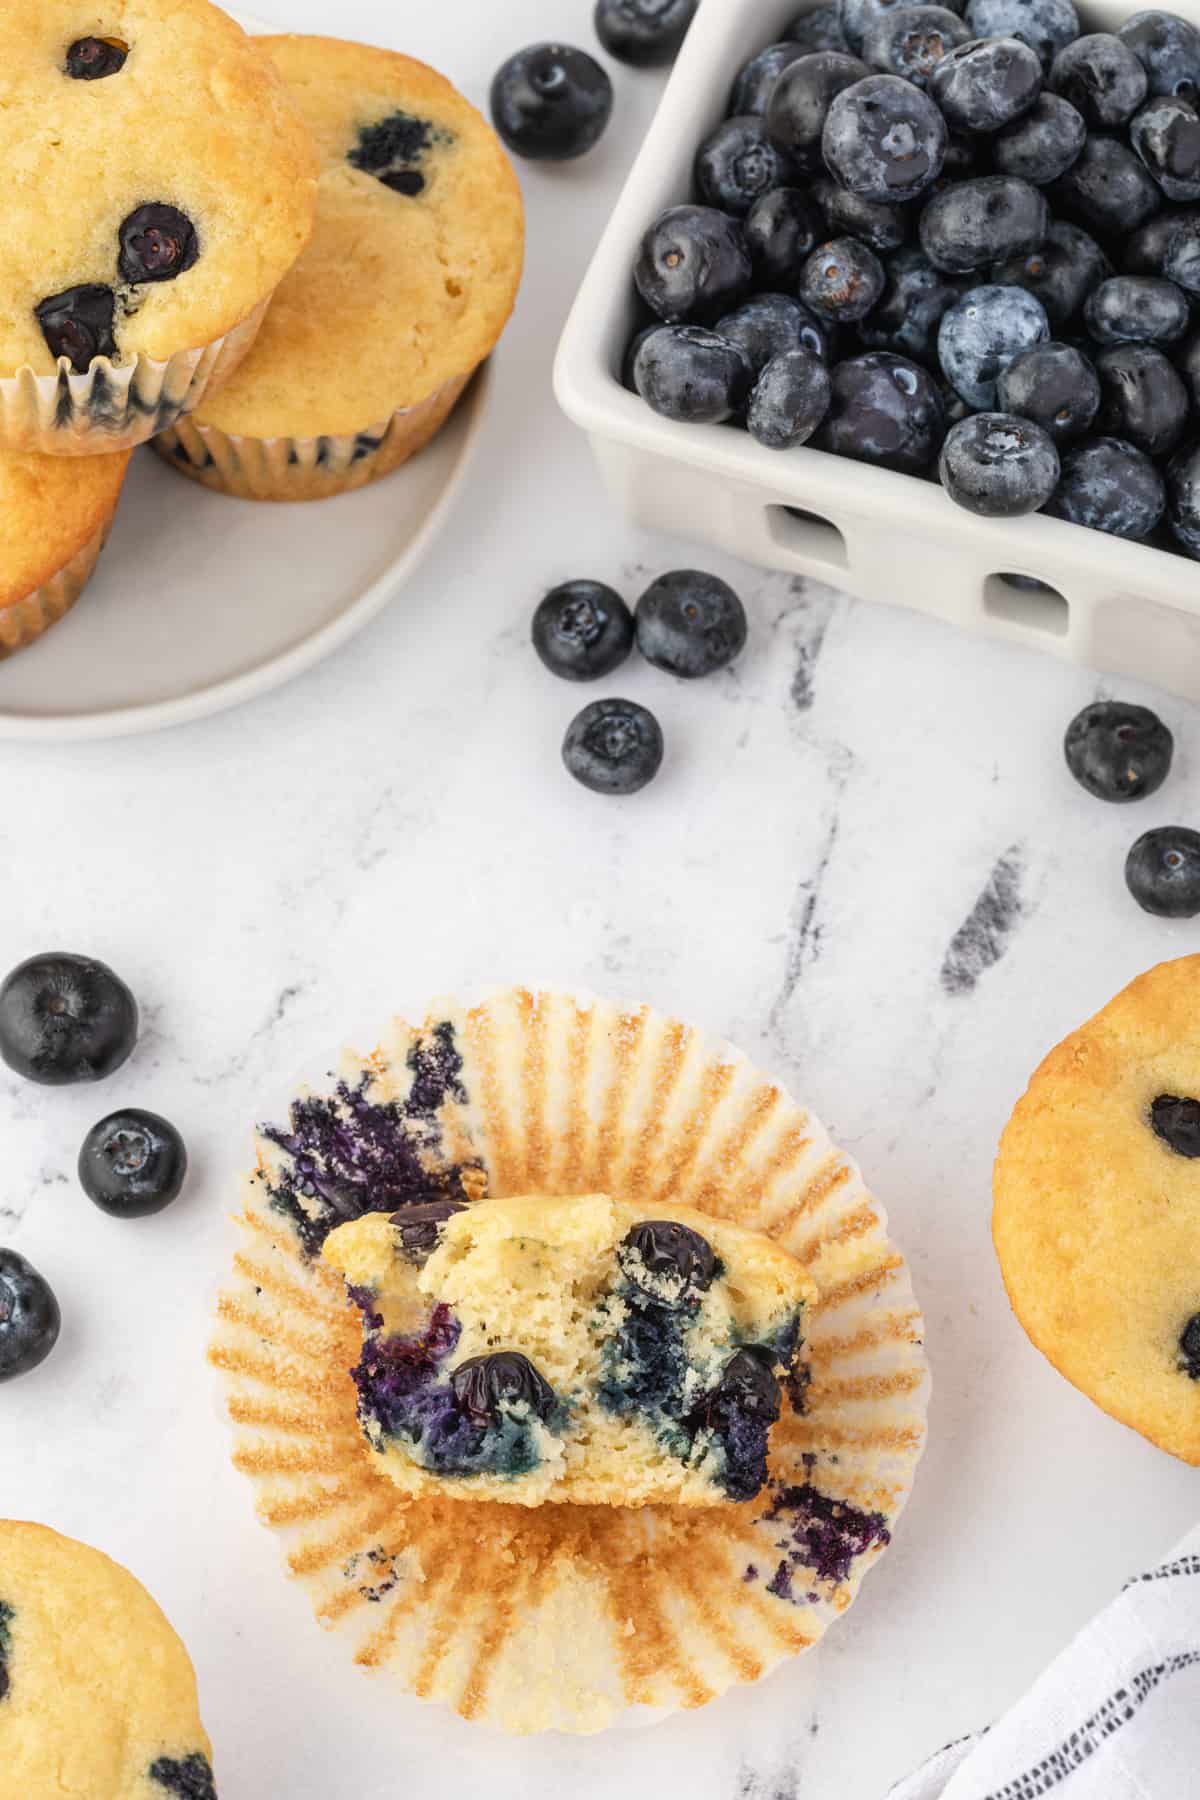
{"x":842,"y":281}
{"x":801,"y":100}
{"x":1106,"y":189}
{"x":820,"y":29}
{"x":1102,"y":78}
{"x":1047,"y":26}
{"x":1181,"y":263}
{"x":738,"y":164}
{"x":982,"y":86}
{"x":858,"y":16}
{"x":1109,"y":486}
{"x":1054,"y":385}
{"x":1137,"y":309}
{"x":770,"y":324}
{"x":1166,"y":135}
{"x":1183,"y":500}
{"x":689,"y":374}
{"x":998,"y":465}
{"x":981,"y":334}
{"x":974,"y":223}
{"x":789,"y":401}
{"x":1168,"y":48}
{"x":1043,"y":144}
{"x":884,"y":139}
{"x":910,"y":41}
{"x":755,"y":80}
{"x":693,"y":265}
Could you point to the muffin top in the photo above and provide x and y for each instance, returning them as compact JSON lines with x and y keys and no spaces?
{"x":415,"y":260}
{"x":97,"y":1694}
{"x":158,"y":179}
{"x":52,"y":506}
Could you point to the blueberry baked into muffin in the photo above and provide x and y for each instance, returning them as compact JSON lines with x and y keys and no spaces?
{"x":97,"y":1694}
{"x":1097,"y":1208}
{"x":159,"y":182}
{"x":408,"y":281}
{"x":57,"y":515}
{"x":536,"y":1349}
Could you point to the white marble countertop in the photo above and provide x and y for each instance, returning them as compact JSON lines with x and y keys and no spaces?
{"x":397,"y":825}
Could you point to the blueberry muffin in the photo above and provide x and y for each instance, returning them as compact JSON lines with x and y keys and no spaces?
{"x":407,"y":283}
{"x":57,"y":514}
{"x":159,"y":182}
{"x":97,"y":1695}
{"x":1097,"y":1208}
{"x":538,"y":1349}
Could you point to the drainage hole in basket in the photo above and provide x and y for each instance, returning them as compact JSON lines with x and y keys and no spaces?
{"x":1024,"y":600}
{"x":808,"y":534}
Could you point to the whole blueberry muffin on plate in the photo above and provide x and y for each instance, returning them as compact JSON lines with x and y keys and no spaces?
{"x":159,"y":182}
{"x":1097,"y":1208}
{"x":57,"y":515}
{"x":539,"y":1348}
{"x":406,"y":286}
{"x":97,"y":1694}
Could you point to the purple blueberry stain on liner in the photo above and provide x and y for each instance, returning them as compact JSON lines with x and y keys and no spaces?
{"x":822,"y":1534}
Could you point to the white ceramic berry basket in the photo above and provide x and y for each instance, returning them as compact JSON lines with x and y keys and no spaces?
{"x":1121,"y":607}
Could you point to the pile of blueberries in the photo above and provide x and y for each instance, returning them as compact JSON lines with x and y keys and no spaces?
{"x":962,"y":237}
{"x":67,"y":1019}
{"x":1119,"y":752}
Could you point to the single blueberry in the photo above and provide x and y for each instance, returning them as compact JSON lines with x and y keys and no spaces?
{"x":755,"y":80}
{"x":613,"y":747}
{"x":670,"y":1262}
{"x":1062,"y":272}
{"x":1054,"y":385}
{"x":1047,"y":26}
{"x":1168,"y":48}
{"x":78,"y":324}
{"x":1145,"y":402}
{"x":132,"y":1164}
{"x":693,"y":264}
{"x":94,"y":58}
{"x":1144,"y":251}
{"x":629,"y":359}
{"x":771,"y":324}
{"x":985,"y":84}
{"x":981,"y":334}
{"x":185,"y":1778}
{"x":781,"y":230}
{"x":842,"y":281}
{"x":986,"y":220}
{"x":690,"y":623}
{"x":820,"y":29}
{"x":1166,"y":135}
{"x":801,"y":99}
{"x":486,"y":1386}
{"x":551,"y":102}
{"x":914,"y":299}
{"x":29,"y":1317}
{"x":1102,"y":79}
{"x":419,"y":1227}
{"x":1162,"y":872}
{"x":883,"y":409}
{"x":689,"y":374}
{"x":884,"y":139}
{"x":65,"y":1018}
{"x":582,"y":630}
{"x":1043,"y":144}
{"x":790,"y":399}
{"x":877,"y":223}
{"x":1108,"y":485}
{"x":999,"y":465}
{"x":1107,"y":189}
{"x":739,"y":163}
{"x":1181,"y":263}
{"x":158,"y":243}
{"x":1137,"y":309}
{"x":643,"y":32}
{"x":1189,"y":1340}
{"x":1183,"y":499}
{"x":1176,"y":1120}
{"x":858,"y":16}
{"x":910,"y":41}
{"x":1117,"y":751}
{"x":748,"y":1383}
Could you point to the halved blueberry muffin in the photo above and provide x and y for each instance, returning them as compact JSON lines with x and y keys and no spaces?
{"x":97,"y":1694}
{"x":57,"y":515}
{"x":539,"y":1348}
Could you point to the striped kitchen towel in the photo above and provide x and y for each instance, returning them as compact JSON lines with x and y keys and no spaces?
{"x":1116,"y":1717}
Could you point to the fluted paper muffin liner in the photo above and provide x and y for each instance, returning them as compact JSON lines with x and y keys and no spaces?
{"x":312,"y":468}
{"x":24,"y":621}
{"x":567,"y":1617}
{"x":116,"y":406}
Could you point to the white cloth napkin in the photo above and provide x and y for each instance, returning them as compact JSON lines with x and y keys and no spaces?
{"x":1116,"y":1717}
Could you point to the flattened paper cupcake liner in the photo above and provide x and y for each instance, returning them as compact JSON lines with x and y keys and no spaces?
{"x":567,"y":1617}
{"x":116,"y":406}
{"x":24,"y":621}
{"x":288,"y":468}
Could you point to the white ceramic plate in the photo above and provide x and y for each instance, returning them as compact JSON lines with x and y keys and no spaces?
{"x":202,"y":602}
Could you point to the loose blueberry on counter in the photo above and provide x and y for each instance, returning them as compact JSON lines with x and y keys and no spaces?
{"x":65,"y":1018}
{"x":1054,"y":385}
{"x":158,"y":243}
{"x":690,"y":624}
{"x":770,"y":325}
{"x":614,"y":747}
{"x":78,"y":324}
{"x":484,"y":1386}
{"x":643,"y":32}
{"x":842,"y":281}
{"x":999,"y":465}
{"x":188,"y":1779}
{"x":689,"y":374}
{"x":911,"y":40}
{"x":755,"y":82}
{"x":582,"y":630}
{"x":693,"y":265}
{"x":1042,"y":144}
{"x":1106,"y":189}
{"x":93,"y":58}
{"x":1047,"y":26}
{"x":1110,"y":486}
{"x":914,"y":299}
{"x":1181,"y":263}
{"x":672,"y":1264}
{"x":1145,"y":402}
{"x":1162,"y":872}
{"x":789,"y":400}
{"x":883,"y":409}
{"x":1102,"y":78}
{"x":419,"y":1227}
{"x":1183,"y":500}
{"x":1168,"y":48}
{"x":132,"y":1164}
{"x":1166,"y":135}
{"x":884,"y":139}
{"x":738,"y":164}
{"x":820,"y":29}
{"x":1189,"y":1341}
{"x":740,"y":1411}
{"x":986,"y":220}
{"x":1144,"y":251}
{"x":1119,"y":752}
{"x":983,"y":85}
{"x":551,"y":102}
{"x":29,"y":1317}
{"x":1061,"y":273}
{"x":781,"y":230}
{"x":876,"y":223}
{"x":982,"y":333}
{"x":1137,"y":309}
{"x":801,"y":98}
